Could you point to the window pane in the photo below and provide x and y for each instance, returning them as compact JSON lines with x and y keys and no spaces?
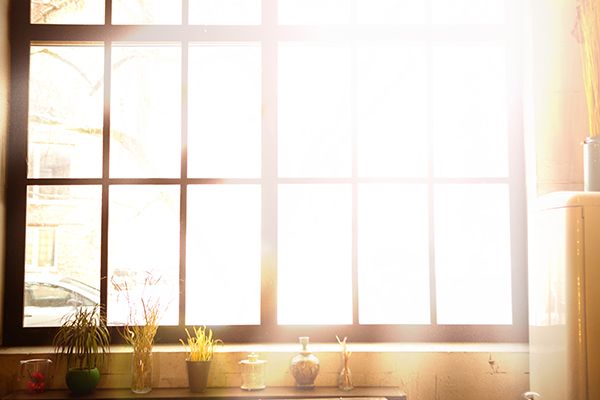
{"x":65,"y":112}
{"x":145,"y":135}
{"x":472,"y":254}
{"x":143,"y":238}
{"x":224,"y":111}
{"x":393,"y":254}
{"x":467,"y":11}
{"x":392,"y":110}
{"x":391,"y":12}
{"x":314,"y":255}
{"x":314,"y":105}
{"x":62,"y":252}
{"x":67,"y":12}
{"x":470,"y":111}
{"x":223,"y":255}
{"x":225,"y":12}
{"x":314,"y":12}
{"x":146,"y":12}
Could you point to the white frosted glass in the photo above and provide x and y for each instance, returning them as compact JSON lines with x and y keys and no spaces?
{"x":314,"y":255}
{"x":145,"y":131}
{"x":314,"y":108}
{"x":224,"y":136}
{"x":393,"y":254}
{"x":392,"y":110}
{"x":391,"y":12}
{"x":472,"y":254}
{"x":65,"y":112}
{"x":143,"y":238}
{"x":470,"y":111}
{"x":467,"y":11}
{"x":223,"y":265}
{"x":314,"y":12}
{"x":225,"y":12}
{"x":146,"y":12}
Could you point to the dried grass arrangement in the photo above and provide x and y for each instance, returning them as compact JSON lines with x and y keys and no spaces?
{"x":345,"y":378}
{"x":200,"y":346}
{"x":587,"y":30}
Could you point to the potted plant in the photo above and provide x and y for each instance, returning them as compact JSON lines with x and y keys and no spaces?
{"x":83,"y":340}
{"x":200,"y":348}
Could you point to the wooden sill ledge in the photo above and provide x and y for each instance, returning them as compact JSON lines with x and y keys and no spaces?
{"x":363,"y":393}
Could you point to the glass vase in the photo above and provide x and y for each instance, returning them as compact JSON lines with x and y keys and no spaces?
{"x":345,"y":379}
{"x":305,"y":366}
{"x":141,"y":371}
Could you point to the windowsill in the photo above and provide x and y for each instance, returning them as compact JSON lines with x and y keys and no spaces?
{"x":315,"y":347}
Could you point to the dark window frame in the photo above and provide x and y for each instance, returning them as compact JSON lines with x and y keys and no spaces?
{"x":22,"y":34}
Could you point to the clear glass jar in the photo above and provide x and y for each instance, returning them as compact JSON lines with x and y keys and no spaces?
{"x":253,"y":373}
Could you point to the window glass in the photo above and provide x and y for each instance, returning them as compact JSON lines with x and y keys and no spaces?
{"x":143,"y":250}
{"x":470,"y":111}
{"x":146,"y":12}
{"x":314,"y":109}
{"x":65,"y":112}
{"x":223,"y":274}
{"x":225,"y":12}
{"x":145,"y":130}
{"x":393,"y":254}
{"x":67,"y":12}
{"x":392,"y":110}
{"x":55,"y":226}
{"x":224,"y":139}
{"x":314,"y":12}
{"x":467,"y":11}
{"x":391,"y":12}
{"x":472,"y":254}
{"x":314,"y":256}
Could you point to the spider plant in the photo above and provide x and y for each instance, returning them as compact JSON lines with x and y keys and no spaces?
{"x":83,"y":338}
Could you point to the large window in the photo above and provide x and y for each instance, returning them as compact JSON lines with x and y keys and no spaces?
{"x":283,"y":167}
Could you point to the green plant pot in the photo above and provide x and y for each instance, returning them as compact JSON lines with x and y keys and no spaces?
{"x":82,"y":381}
{"x":198,"y":375}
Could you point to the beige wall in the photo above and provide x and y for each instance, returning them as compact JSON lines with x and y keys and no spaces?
{"x":424,"y":372}
{"x":555,"y":110}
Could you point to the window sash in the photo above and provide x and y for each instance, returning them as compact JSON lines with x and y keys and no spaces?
{"x":268,"y":34}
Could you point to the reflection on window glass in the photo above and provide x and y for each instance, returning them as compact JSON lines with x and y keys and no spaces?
{"x":391,"y":12}
{"x":65,"y":112}
{"x":392,"y":110}
{"x":393,"y":254}
{"x":67,"y":12}
{"x":225,"y":12}
{"x":145,"y":134}
{"x":470,"y":111}
{"x":143,"y":240}
{"x":314,"y":111}
{"x":146,"y":12}
{"x":223,"y":248}
{"x":468,"y":11}
{"x":472,"y":254}
{"x":224,"y":138}
{"x":314,"y":12}
{"x":56,"y":226}
{"x":314,"y":255}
